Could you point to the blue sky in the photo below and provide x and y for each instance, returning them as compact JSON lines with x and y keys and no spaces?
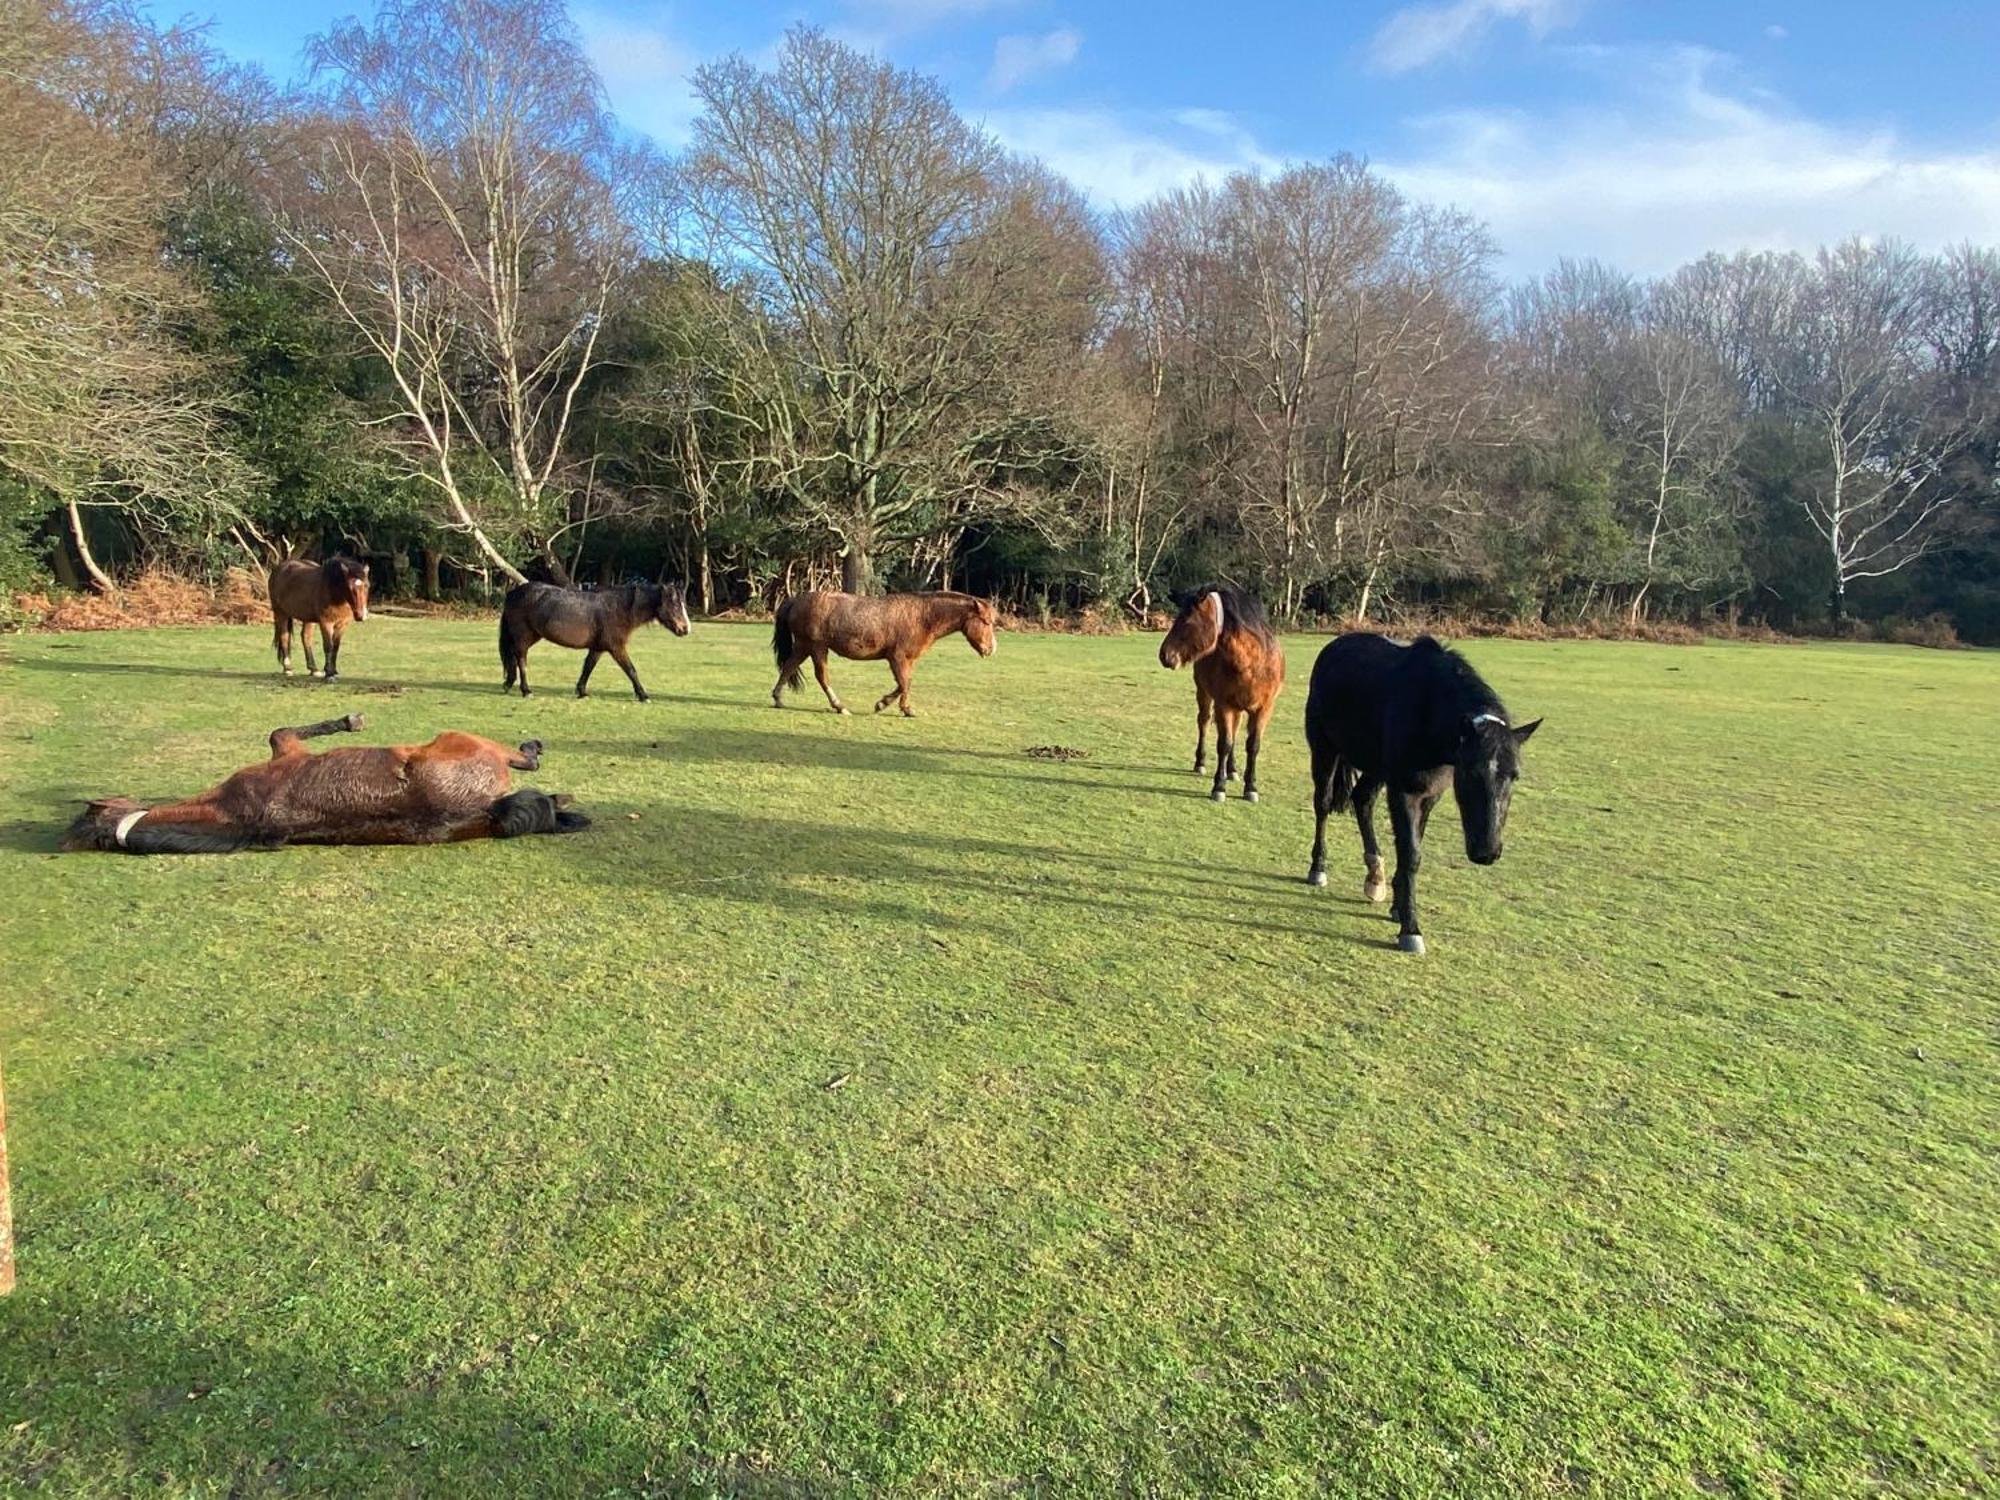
{"x":1642,"y":133}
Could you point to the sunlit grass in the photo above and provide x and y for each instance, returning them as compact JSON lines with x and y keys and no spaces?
{"x":863,"y":1105}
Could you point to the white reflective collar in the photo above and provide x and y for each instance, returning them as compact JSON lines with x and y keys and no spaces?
{"x":125,"y":824}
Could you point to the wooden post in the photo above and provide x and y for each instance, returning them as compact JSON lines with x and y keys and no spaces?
{"x":6,"y":1205}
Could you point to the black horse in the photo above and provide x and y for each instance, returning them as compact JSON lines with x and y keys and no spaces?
{"x":598,"y":621}
{"x":1410,"y":718}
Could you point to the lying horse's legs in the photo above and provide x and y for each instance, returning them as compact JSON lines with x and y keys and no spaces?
{"x":618,"y":654}
{"x":1202,"y":708}
{"x":589,"y":666}
{"x":1376,"y":886}
{"x":819,"y":671}
{"x":284,"y":741}
{"x":1404,"y":814}
{"x":281,"y":639}
{"x":901,"y":668}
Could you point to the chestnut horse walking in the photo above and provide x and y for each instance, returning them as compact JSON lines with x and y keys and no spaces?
{"x":327,"y":594}
{"x":455,"y":787}
{"x":898,"y":627}
{"x":597,"y":621}
{"x":1239,"y":669}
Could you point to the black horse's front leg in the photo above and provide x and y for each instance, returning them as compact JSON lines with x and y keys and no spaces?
{"x":1404,"y":812}
{"x":589,"y":666}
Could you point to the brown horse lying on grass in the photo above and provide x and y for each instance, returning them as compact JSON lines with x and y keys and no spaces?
{"x":453,"y":788}
{"x":900,"y":627}
{"x":1238,"y":672}
{"x":597,"y":621}
{"x":327,"y":594}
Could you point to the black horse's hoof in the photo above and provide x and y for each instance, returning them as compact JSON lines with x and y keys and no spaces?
{"x":643,"y":697}
{"x":1316,"y":876}
{"x":1411,"y":942}
{"x":1249,"y":796}
{"x":1218,"y":795}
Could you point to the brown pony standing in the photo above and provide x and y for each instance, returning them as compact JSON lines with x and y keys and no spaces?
{"x":1239,"y":669}
{"x":596,"y":621}
{"x":898,"y":627}
{"x":327,"y":594}
{"x":455,"y":787}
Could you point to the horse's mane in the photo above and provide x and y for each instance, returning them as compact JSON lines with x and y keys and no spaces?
{"x":1470,"y":693}
{"x":338,"y":569}
{"x":1241,"y":609}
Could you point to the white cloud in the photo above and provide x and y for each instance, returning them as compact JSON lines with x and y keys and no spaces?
{"x":1686,"y":166}
{"x":1419,"y":35}
{"x":1019,"y":58}
{"x":645,"y":70}
{"x":1776,"y":32}
{"x":1121,"y":161}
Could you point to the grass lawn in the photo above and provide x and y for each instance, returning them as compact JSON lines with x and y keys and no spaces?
{"x":862,"y":1106}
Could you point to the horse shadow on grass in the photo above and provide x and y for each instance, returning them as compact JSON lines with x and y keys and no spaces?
{"x":103,"y":1397}
{"x":927,"y":880}
{"x":687,"y":745}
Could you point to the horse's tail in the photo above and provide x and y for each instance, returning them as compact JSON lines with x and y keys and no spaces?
{"x":781,"y":644}
{"x":96,"y":827}
{"x":508,"y":659}
{"x":1340,"y":785}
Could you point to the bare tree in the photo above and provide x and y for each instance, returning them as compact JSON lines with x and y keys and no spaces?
{"x":1854,"y":364}
{"x":456,"y":201}
{"x":899,"y":256}
{"x":99,"y":405}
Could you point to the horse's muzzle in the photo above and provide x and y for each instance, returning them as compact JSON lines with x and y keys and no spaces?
{"x":1484,"y":856}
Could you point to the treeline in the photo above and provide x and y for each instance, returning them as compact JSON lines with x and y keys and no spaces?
{"x":434,"y":309}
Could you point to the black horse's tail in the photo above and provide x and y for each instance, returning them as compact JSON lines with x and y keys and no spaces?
{"x":1339,"y":789}
{"x":781,"y":645}
{"x":508,"y":659}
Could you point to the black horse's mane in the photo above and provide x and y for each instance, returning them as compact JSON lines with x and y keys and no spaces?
{"x":1469,"y":691}
{"x":337,"y":568}
{"x":1241,"y":609}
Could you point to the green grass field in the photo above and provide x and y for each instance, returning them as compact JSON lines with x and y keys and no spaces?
{"x":862,"y":1106}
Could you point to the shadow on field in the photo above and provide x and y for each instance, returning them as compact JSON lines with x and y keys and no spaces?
{"x":684,"y":746}
{"x":103,"y":1396}
{"x":361,"y":682}
{"x":923,"y":881}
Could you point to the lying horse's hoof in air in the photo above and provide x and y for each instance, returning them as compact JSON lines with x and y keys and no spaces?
{"x":1411,"y":942}
{"x":456,"y":787}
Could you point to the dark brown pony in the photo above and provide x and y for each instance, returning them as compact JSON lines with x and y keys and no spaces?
{"x":898,"y":627}
{"x":327,"y":594}
{"x":597,"y":621}
{"x":455,"y":787}
{"x":1239,"y":669}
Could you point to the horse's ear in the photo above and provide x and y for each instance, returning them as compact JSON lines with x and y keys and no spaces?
{"x":1522,"y":731}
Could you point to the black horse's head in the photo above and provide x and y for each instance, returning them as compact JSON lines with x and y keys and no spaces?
{"x":1487,"y":765}
{"x":673,"y":609}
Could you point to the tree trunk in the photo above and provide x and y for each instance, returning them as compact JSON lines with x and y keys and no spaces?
{"x":705,"y":574}
{"x":99,"y":579}
{"x":431,"y":589}
{"x":1838,"y":602}
{"x":558,"y":574}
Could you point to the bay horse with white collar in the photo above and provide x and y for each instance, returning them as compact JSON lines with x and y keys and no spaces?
{"x":1239,"y":669}
{"x":1412,"y":719}
{"x":455,"y":787}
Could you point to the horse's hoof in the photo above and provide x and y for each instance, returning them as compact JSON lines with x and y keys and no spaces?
{"x":1374,"y":890}
{"x":1411,"y":942}
{"x":1249,"y":796}
{"x":353,"y":722}
{"x":1316,"y":876}
{"x":841,"y":709}
{"x":1218,"y":795}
